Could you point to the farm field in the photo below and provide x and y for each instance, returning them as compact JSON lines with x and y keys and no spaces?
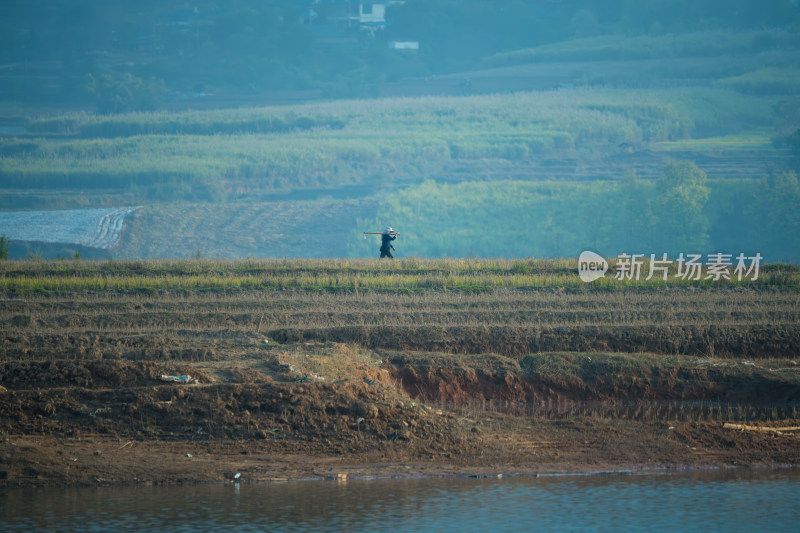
{"x":189,"y":200}
{"x":95,"y":228}
{"x":299,"y":181}
{"x":287,"y":228}
{"x":329,"y":368}
{"x":538,"y":131}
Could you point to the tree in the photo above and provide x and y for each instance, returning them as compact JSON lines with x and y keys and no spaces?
{"x":680,"y":222}
{"x":776,"y":218}
{"x":633,"y":220}
{"x":4,"y":245}
{"x":127,"y":94}
{"x":794,"y":144}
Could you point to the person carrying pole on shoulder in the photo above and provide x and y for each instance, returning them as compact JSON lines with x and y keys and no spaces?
{"x":387,"y":236}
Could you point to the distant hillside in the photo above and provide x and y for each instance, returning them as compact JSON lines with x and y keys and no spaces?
{"x":551,"y":124}
{"x":116,"y":56}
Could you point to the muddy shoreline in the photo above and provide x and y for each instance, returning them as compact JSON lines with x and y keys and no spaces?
{"x":35,"y":461}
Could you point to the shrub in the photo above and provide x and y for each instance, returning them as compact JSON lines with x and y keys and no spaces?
{"x":4,"y":245}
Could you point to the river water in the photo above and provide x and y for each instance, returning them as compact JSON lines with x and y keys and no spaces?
{"x":725,"y":500}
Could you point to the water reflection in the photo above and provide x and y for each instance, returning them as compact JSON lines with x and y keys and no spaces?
{"x":734,"y":500}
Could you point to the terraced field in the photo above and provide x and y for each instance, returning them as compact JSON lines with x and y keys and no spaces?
{"x":724,"y":323}
{"x":354,"y":363}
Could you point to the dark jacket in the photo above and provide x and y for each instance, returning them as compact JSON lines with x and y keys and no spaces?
{"x":386,"y":241}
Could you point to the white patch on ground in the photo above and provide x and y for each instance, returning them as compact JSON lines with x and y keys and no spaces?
{"x":98,"y":228}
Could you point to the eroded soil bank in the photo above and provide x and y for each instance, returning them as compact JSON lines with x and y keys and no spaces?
{"x":332,"y":410}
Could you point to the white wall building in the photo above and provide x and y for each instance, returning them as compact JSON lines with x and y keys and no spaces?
{"x":371,"y":13}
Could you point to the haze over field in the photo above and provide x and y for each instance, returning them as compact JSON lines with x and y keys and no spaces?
{"x":288,"y":128}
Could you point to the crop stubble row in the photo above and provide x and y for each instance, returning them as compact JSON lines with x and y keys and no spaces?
{"x":724,"y":322}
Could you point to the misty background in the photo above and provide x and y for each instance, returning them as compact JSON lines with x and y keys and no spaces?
{"x":474,"y":127}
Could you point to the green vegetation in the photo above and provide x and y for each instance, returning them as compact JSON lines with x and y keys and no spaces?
{"x":709,"y":43}
{"x":350,"y":276}
{"x":4,"y":245}
{"x":233,"y":158}
{"x":566,"y":140}
{"x":127,"y":94}
{"x":207,"y":156}
{"x":747,"y":140}
{"x":471,"y":167}
{"x":764,"y":80}
{"x":589,"y":366}
{"x":681,"y":211}
{"x":215,"y":122}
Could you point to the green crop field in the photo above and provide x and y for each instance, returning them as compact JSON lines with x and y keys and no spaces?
{"x":208,"y":155}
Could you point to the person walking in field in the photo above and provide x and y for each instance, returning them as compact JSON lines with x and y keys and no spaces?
{"x":387,"y":237}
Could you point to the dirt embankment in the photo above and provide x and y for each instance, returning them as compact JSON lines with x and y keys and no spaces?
{"x":550,"y":378}
{"x":325,"y":409}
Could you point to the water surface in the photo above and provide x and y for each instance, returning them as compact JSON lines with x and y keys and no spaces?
{"x":730,"y":500}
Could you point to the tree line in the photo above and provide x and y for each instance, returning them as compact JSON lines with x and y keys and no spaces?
{"x":680,"y":212}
